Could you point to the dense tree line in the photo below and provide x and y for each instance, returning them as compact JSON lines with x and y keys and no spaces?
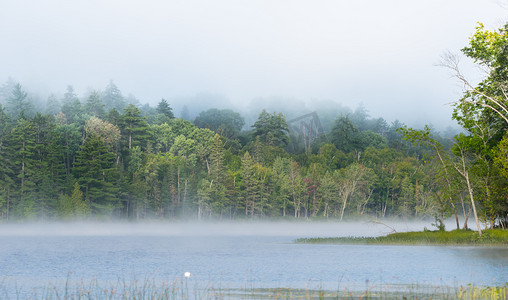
{"x":100,"y":156}
{"x":105,"y":155}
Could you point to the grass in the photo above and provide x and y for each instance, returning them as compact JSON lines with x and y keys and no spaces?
{"x":491,"y":237}
{"x":177,"y":290}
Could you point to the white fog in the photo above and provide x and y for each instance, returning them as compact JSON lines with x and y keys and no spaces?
{"x":381,"y":54}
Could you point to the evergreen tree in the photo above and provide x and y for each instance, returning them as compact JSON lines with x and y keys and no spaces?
{"x":164,"y":109}
{"x":21,"y":146}
{"x":217,"y":167}
{"x":141,"y":199}
{"x":69,"y":137}
{"x":73,"y":206}
{"x":18,"y":104}
{"x":217,"y":172}
{"x":7,"y":178}
{"x":282,"y":183}
{"x":135,"y":128}
{"x":71,"y":106}
{"x":52,"y":105}
{"x":204,"y":193}
{"x":50,"y":177}
{"x":112,"y":97}
{"x":344,"y":135}
{"x":97,"y":176}
{"x":114,"y":117}
{"x":6,"y":90}
{"x":94,"y":105}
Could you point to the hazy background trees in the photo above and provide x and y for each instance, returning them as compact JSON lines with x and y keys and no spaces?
{"x":103,"y":154}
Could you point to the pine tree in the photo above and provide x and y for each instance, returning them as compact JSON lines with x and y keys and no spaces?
{"x":50,"y":175}
{"x":112,"y":97}
{"x":69,"y":137}
{"x":73,"y":206}
{"x":97,"y":175}
{"x":7,"y":177}
{"x":217,"y":167}
{"x":137,"y":186}
{"x":21,"y":146}
{"x":164,"y":109}
{"x":94,"y":105}
{"x":6,"y":90}
{"x":18,"y":105}
{"x":52,"y":105}
{"x":135,"y":128}
{"x":71,"y":106}
{"x":218,"y":175}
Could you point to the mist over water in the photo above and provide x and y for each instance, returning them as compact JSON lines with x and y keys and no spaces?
{"x":224,"y":228}
{"x":231,"y":255}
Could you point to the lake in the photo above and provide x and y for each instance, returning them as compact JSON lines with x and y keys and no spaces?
{"x":34,"y":257}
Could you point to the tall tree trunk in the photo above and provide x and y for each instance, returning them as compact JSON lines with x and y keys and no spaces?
{"x":342,"y":209}
{"x":465,"y":174}
{"x":470,"y":189}
{"x":23,"y":167}
{"x":344,"y":202}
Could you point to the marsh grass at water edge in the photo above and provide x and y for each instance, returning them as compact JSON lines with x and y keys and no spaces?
{"x":259,"y":265}
{"x":180,"y":289}
{"x":491,"y":237}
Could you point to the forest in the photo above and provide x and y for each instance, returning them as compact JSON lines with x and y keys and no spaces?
{"x":102,"y":155}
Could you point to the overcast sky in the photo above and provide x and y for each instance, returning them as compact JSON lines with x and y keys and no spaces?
{"x":381,"y":53}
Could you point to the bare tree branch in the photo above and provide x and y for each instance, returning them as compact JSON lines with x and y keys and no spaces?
{"x":451,"y":61}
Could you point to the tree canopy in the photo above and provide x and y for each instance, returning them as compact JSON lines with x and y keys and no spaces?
{"x":97,"y":156}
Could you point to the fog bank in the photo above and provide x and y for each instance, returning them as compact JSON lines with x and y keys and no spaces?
{"x":239,"y":228}
{"x":379,"y":53}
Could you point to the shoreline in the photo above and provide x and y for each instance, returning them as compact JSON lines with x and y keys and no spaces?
{"x":490,"y":237}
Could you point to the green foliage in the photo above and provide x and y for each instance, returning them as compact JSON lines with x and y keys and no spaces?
{"x":52,"y":105}
{"x":444,"y":177}
{"x":112,"y":97}
{"x":501,"y":156}
{"x":73,"y":206}
{"x":94,"y":105}
{"x":176,"y":169}
{"x":488,"y":48}
{"x":144,"y":163}
{"x":426,"y":237}
{"x":224,"y":122}
{"x":96,"y":174}
{"x":163,"y":108}
{"x":272,"y":129}
{"x":482,"y":112}
{"x":18,"y":104}
{"x":136,"y":130}
{"x":71,"y":107}
{"x":344,"y":135}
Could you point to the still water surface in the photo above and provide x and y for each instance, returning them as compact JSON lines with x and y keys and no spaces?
{"x":29,"y":261}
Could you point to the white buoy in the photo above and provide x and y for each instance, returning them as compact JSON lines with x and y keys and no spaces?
{"x":186,"y":274}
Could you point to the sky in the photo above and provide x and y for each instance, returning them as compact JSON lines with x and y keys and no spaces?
{"x":378,"y":53}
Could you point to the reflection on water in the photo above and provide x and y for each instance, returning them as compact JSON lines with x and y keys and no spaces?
{"x":237,"y":261}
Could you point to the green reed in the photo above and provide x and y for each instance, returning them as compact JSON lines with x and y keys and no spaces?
{"x":490,"y":237}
